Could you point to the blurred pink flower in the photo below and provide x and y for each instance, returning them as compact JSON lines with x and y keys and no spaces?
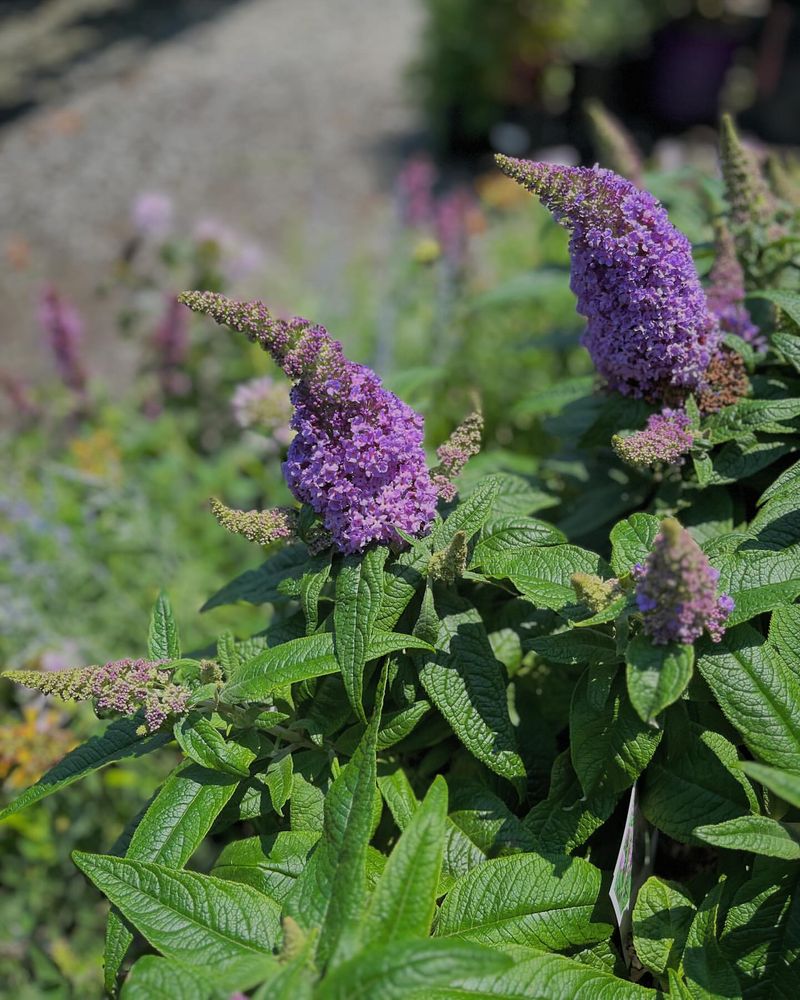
{"x":152,"y":214}
{"x":62,"y":324}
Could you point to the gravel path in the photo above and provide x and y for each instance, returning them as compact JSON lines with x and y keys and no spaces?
{"x":278,"y":116}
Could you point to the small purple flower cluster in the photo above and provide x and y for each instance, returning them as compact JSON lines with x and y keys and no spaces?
{"x":357,"y":458}
{"x":453,"y":455}
{"x":676,"y":589}
{"x":665,"y":440}
{"x":649,"y":329}
{"x":726,"y":292}
{"x":126,"y":686}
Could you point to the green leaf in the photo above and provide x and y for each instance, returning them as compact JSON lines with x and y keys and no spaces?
{"x":270,"y":863}
{"x":485,"y":820}
{"x":784,"y":299}
{"x":331,"y":890}
{"x":310,"y":587}
{"x":661,"y":919}
{"x":528,"y":899}
{"x":163,"y":642}
{"x":632,"y":540}
{"x":516,"y":495}
{"x":542,"y":977}
{"x":153,"y":978}
{"x":758,"y":693}
{"x":301,"y":659}
{"x":578,"y":646}
{"x":783,"y":783}
{"x":542,"y":575}
{"x":171,"y":830}
{"x":761,"y":935}
{"x":403,"y":577}
{"x":787,"y":481}
{"x":279,"y":779}
{"x":119,"y":742}
{"x":755,"y":834}
{"x":657,"y":675}
{"x":203,"y":743}
{"x":260,"y":586}
{"x":709,"y":974}
{"x":510,"y":534}
{"x":701,"y":784}
{"x":567,"y":818}
{"x":610,"y":745}
{"x":394,"y":972}
{"x":194,"y":919}
{"x":469,"y":516}
{"x":466,"y":683}
{"x":359,"y":591}
{"x":740,"y":459}
{"x":404,"y":901}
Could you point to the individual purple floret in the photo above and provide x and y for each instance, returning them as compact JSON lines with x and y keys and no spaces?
{"x":63,"y":326}
{"x":726,"y":292}
{"x":649,"y":329}
{"x":151,"y":214}
{"x":676,"y":589}
{"x":357,"y":458}
{"x":665,"y":440}
{"x":126,"y":686}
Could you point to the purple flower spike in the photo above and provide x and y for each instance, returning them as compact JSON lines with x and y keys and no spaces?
{"x":62,"y":324}
{"x":676,"y":589}
{"x":357,"y":458}
{"x":649,"y":330}
{"x":726,"y":292}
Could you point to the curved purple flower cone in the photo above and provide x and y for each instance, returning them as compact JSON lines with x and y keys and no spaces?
{"x":649,"y":330}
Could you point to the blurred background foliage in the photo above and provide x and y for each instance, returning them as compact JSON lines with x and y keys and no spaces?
{"x":107,"y":473}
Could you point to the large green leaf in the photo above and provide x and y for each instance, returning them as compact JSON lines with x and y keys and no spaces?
{"x":543,"y":977}
{"x":396,"y":971}
{"x":709,"y":974}
{"x":404,"y":901}
{"x":467,"y":684}
{"x":609,"y":743}
{"x":755,"y":834}
{"x":270,"y":863}
{"x":656,"y":675}
{"x":761,"y":935}
{"x":661,"y":919}
{"x":632,"y":540}
{"x":203,"y":743}
{"x":567,"y":817}
{"x":260,"y":586}
{"x":758,"y":693}
{"x":543,"y":574}
{"x":701,"y":784}
{"x":153,"y":978}
{"x":120,"y":741}
{"x":171,"y":830}
{"x":510,"y":534}
{"x":359,"y":591}
{"x":579,"y":646}
{"x":403,"y":577}
{"x":529,"y":899}
{"x":195,"y":919}
{"x":469,"y":516}
{"x":301,"y":659}
{"x":163,"y":642}
{"x":330,"y":892}
{"x":783,"y":783}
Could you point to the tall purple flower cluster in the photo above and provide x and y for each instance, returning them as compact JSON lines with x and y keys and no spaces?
{"x":649,"y":329}
{"x":726,"y":292}
{"x":63,"y":326}
{"x":665,"y":440}
{"x":676,"y":589}
{"x":357,"y":458}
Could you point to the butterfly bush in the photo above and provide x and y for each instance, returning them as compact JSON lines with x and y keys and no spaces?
{"x":726,"y":292}
{"x":665,"y":440}
{"x":63,"y":326}
{"x":357,"y":458}
{"x":649,"y":330}
{"x":676,"y":589}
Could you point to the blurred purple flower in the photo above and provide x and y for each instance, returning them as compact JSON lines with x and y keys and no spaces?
{"x":726,"y":292}
{"x":263,"y":405}
{"x":414,"y":190}
{"x":62,"y":324}
{"x":152,"y":215}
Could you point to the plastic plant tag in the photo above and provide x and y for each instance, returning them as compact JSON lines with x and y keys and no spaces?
{"x":633,"y":865}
